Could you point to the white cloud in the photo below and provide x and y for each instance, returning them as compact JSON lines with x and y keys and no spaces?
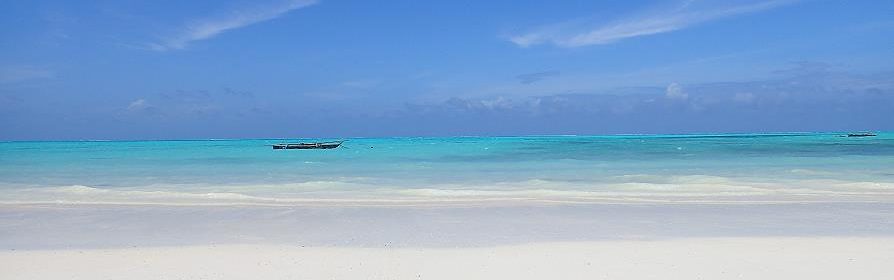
{"x":207,"y":28}
{"x":11,"y":75}
{"x":569,"y":34}
{"x":675,"y":91}
{"x":743,"y":97}
{"x":138,"y":105}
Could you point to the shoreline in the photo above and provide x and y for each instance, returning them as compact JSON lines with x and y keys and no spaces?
{"x":693,"y":258}
{"x":696,"y":190}
{"x":116,"y":226}
{"x":794,"y":240}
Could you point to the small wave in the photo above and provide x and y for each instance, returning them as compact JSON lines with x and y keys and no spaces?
{"x":628,"y":189}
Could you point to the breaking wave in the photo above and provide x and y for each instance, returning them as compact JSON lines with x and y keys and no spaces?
{"x":623,"y":189}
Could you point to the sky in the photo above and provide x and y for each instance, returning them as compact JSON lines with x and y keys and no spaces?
{"x":127,"y":69}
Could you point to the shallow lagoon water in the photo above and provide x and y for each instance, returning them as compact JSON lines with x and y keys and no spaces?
{"x":393,"y":171}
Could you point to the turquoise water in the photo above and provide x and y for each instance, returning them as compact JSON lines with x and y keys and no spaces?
{"x":787,"y":166}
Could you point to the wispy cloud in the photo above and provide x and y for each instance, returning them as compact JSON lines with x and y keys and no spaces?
{"x":10,"y":75}
{"x":575,"y":34}
{"x":137,"y":105}
{"x":531,"y":78}
{"x":207,"y":28}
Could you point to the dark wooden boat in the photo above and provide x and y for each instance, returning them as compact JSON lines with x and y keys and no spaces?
{"x":861,"y":134}
{"x":307,"y":146}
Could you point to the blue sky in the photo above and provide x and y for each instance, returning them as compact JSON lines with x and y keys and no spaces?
{"x":341,"y":68}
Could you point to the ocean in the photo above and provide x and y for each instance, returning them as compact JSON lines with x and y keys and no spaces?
{"x":717,"y":168}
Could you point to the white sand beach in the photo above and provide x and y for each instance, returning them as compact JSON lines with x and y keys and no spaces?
{"x":600,"y":241}
{"x":704,"y":258}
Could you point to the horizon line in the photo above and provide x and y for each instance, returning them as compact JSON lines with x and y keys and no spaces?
{"x":763,"y":133}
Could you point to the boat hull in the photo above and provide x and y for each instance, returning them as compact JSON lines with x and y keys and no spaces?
{"x":861,"y":134}
{"x":306,"y":146}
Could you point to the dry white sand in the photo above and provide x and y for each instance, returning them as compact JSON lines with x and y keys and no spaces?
{"x":699,"y":258}
{"x":759,"y":241}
